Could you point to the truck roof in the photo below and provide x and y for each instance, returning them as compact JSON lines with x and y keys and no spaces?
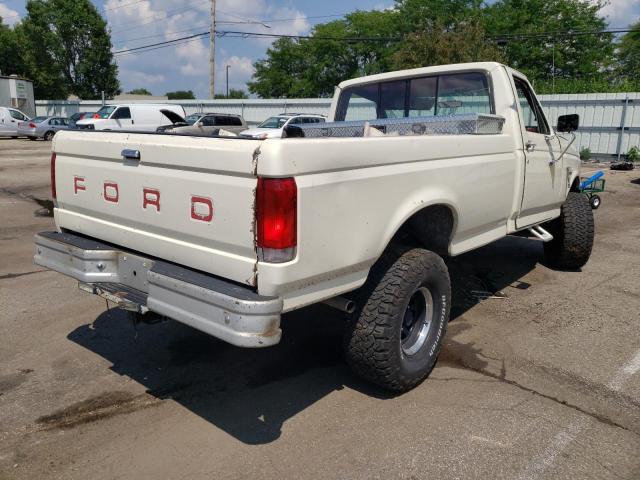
{"x":415,"y":72}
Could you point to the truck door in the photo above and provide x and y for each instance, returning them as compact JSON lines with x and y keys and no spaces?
{"x":122,"y":117}
{"x":543,"y":180}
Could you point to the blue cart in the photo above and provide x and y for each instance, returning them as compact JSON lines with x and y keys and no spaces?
{"x":591,"y":186}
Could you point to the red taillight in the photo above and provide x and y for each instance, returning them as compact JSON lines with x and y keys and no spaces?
{"x":276,"y":214}
{"x":32,"y":125}
{"x":53,"y":175}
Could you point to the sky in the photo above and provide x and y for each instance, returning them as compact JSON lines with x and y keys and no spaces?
{"x":135,"y":23}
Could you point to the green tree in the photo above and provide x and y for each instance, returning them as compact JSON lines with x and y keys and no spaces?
{"x":10,"y":52}
{"x":629,"y":53}
{"x":140,"y":91}
{"x":235,"y":94}
{"x":563,"y":56}
{"x":312,"y":67}
{"x":67,"y":49}
{"x":181,"y":95}
{"x":438,"y":45}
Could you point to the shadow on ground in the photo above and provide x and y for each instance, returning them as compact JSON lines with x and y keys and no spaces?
{"x":250,"y":393}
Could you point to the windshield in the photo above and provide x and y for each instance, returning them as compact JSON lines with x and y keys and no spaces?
{"x":38,"y":119}
{"x":104,"y":112}
{"x":274,"y":122}
{"x":193,"y":118}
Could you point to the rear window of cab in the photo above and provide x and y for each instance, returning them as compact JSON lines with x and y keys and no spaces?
{"x":433,"y":95}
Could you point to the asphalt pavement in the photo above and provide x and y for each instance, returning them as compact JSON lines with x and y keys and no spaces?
{"x":539,"y":381}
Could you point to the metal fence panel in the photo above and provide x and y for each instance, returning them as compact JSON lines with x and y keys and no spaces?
{"x":609,"y":122}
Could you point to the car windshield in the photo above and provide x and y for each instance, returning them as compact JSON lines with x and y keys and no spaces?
{"x":104,"y":112}
{"x":274,"y":122}
{"x":193,"y":118}
{"x":38,"y":119}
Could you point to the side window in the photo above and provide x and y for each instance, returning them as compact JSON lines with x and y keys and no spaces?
{"x":532,"y":116}
{"x":64,"y":121}
{"x":392,"y":99}
{"x":235,"y":121}
{"x":463,"y":93}
{"x":54,"y":121}
{"x":358,"y":103}
{"x":422,"y":97}
{"x":295,"y":121}
{"x":210,"y":121}
{"x":17,"y":115}
{"x":122,"y":113}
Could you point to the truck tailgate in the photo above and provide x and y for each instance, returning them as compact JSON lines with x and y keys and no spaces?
{"x":188,"y":200}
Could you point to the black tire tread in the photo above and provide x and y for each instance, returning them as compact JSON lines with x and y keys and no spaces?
{"x":369,"y":343}
{"x":573,"y":234}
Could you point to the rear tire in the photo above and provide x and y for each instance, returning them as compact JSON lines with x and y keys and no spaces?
{"x":595,"y":202}
{"x":394,"y":337}
{"x":573,"y":233}
{"x":48,"y":136}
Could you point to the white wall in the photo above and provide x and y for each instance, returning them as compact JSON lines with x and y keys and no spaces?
{"x":609,"y":122}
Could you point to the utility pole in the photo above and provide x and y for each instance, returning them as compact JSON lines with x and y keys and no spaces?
{"x":228,"y":67}
{"x":212,"y":52}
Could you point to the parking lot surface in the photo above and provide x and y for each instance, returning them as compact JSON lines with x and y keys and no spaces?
{"x":541,"y":381}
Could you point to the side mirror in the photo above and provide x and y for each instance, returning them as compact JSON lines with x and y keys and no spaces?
{"x":199,"y":124}
{"x":568,"y":123}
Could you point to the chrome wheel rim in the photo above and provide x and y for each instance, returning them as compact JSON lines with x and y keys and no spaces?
{"x":417,"y":321}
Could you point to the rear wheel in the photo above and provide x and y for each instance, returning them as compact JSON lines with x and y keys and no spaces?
{"x":573,"y":233}
{"x":49,"y":136}
{"x":394,"y":338}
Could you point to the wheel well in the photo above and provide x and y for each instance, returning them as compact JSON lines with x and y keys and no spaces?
{"x":575,"y":186}
{"x":430,"y":228}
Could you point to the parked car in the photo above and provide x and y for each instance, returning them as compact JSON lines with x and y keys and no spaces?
{"x":225,"y":235}
{"x":9,"y":119}
{"x":203,"y":123}
{"x":274,"y":127}
{"x":131,"y":117}
{"x":42,"y":127}
{"x":79,"y":116}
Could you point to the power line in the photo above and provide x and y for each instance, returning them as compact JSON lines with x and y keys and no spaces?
{"x":241,"y":34}
{"x":167,"y":42}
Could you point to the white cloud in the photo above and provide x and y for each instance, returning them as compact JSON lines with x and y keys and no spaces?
{"x":621,"y":13}
{"x":9,"y":16}
{"x":186,"y":66}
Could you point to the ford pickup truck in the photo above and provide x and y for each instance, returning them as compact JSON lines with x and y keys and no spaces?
{"x":226,"y":234}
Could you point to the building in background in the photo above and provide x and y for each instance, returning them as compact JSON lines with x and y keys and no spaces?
{"x":17,"y":92}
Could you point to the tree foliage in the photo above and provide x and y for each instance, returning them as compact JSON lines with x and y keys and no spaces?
{"x":67,"y":49}
{"x":431,"y":32}
{"x":235,"y":94}
{"x":10,"y":52}
{"x":181,"y":95}
{"x":140,"y":91}
{"x":629,"y":53}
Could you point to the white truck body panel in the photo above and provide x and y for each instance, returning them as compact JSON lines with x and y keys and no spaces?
{"x":216,"y":169}
{"x":144,"y":118}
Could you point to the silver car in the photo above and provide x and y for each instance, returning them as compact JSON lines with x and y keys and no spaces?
{"x":204,"y":124}
{"x":42,"y":127}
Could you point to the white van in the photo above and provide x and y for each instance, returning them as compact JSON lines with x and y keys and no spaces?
{"x":9,"y":119}
{"x":139,"y":117}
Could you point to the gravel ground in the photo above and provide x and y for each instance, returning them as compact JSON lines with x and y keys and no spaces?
{"x":542,"y":383}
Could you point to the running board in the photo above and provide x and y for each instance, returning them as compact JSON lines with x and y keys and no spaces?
{"x":541,"y":233}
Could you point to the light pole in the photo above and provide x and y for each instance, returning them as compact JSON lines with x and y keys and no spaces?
{"x":228,"y":67}
{"x":212,"y":52}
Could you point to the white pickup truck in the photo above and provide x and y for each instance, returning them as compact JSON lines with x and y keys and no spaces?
{"x":227,"y":234}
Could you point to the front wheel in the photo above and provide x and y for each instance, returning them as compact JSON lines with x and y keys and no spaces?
{"x":394,"y":338}
{"x":49,"y":136}
{"x":573,"y":234}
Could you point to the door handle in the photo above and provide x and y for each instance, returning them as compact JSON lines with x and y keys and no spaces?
{"x":131,"y":154}
{"x":530,"y":146}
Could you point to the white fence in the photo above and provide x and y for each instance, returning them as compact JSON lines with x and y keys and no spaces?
{"x":609,"y":122}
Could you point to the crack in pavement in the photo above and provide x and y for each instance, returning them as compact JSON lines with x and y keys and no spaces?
{"x":16,"y":275}
{"x":502,"y":378}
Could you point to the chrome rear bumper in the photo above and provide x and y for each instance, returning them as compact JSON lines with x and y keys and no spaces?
{"x":223,"y":309}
